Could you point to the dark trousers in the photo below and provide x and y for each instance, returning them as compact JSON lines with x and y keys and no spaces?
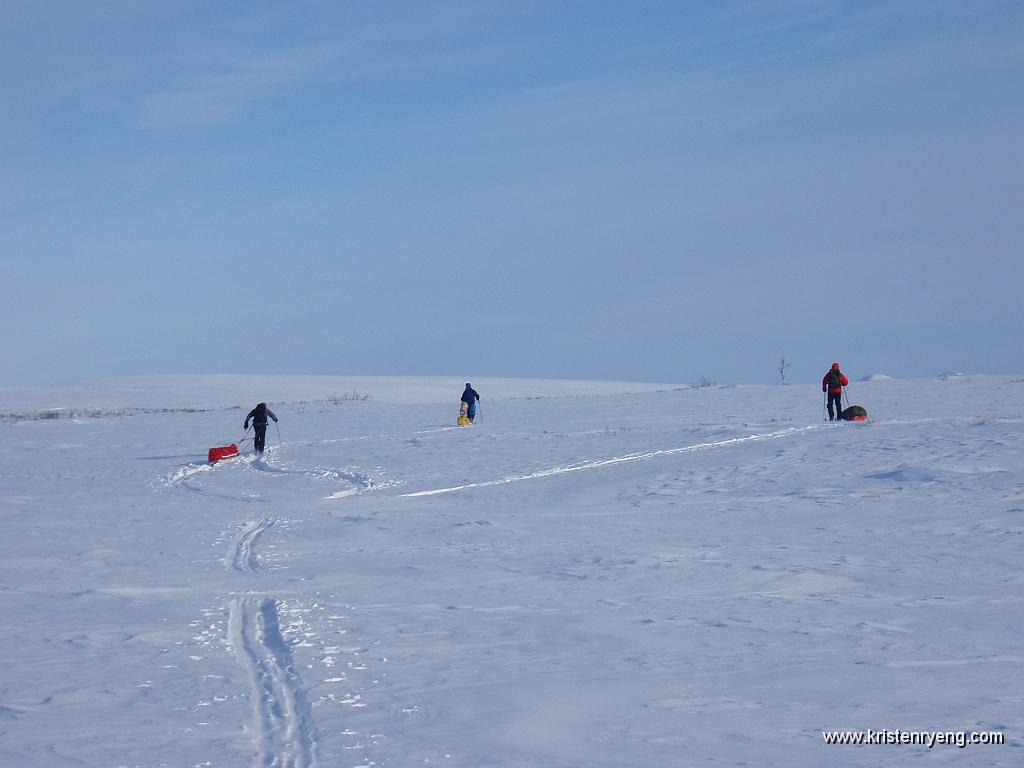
{"x":261,"y":436}
{"x":837,"y":398}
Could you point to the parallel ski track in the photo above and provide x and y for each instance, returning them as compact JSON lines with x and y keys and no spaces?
{"x":282,"y":720}
{"x":620,"y":460}
{"x":242,"y":553}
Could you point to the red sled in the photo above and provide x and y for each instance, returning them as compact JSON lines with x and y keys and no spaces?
{"x":226,"y":452}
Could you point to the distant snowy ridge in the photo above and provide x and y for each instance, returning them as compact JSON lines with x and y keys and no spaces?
{"x":102,"y":413}
{"x":153,"y":395}
{"x":144,"y":394}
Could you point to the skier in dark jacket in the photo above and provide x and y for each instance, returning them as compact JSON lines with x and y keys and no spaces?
{"x":833,"y":383}
{"x":470,"y":398}
{"x":259,"y":424}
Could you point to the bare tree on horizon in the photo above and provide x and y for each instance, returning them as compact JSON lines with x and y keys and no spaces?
{"x":783,"y":365}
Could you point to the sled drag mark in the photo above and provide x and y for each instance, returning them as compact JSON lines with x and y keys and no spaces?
{"x":618,"y":460}
{"x":242,"y":554}
{"x":282,"y":720}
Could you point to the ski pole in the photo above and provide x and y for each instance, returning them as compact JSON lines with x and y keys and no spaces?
{"x":479,"y":411}
{"x":278,"y":433}
{"x":824,"y":411}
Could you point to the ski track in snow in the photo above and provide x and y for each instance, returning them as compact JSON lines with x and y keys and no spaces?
{"x":359,"y":482}
{"x":282,"y":721}
{"x":620,"y":460}
{"x":242,"y":553}
{"x":180,"y":475}
{"x":260,"y":629}
{"x":182,"y":479}
{"x":282,"y":724}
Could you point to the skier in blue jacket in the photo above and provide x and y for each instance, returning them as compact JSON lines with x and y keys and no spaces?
{"x":470,"y":398}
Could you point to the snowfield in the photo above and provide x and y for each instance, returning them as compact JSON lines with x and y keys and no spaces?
{"x":594,"y":575}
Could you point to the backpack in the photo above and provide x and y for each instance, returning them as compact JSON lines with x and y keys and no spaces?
{"x":835,"y":379}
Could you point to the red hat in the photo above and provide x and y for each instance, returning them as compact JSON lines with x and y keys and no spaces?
{"x":835,"y":366}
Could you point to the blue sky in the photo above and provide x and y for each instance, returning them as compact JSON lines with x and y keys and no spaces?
{"x":643,"y":191}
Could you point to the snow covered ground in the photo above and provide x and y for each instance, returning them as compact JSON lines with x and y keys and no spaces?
{"x":596,"y":574}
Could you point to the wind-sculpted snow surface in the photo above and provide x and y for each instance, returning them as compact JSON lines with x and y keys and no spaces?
{"x":596,"y":575}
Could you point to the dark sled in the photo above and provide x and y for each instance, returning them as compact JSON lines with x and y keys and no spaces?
{"x":854,"y":413}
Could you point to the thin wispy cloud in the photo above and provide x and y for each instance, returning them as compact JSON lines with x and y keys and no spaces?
{"x":221,"y":97}
{"x":438,"y":41}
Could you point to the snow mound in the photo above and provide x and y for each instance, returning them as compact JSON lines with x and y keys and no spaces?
{"x":877,"y":377}
{"x":951,"y":375}
{"x":909,"y":473}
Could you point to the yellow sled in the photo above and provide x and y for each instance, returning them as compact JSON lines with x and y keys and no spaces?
{"x":463,"y":421}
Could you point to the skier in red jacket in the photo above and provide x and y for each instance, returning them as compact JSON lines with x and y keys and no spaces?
{"x":833,"y":383}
